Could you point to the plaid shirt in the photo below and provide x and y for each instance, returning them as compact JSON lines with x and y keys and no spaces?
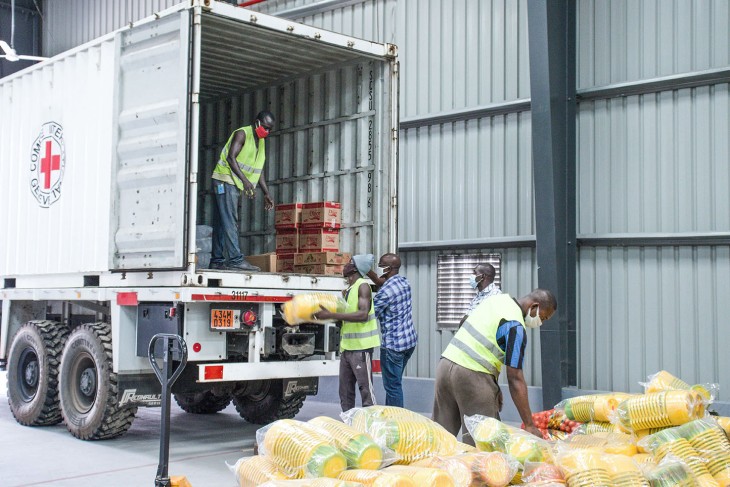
{"x":491,"y":290}
{"x":393,"y":308}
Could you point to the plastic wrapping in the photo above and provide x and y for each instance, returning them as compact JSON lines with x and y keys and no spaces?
{"x":584,"y":468}
{"x":643,"y":459}
{"x":255,"y":470}
{"x":359,"y":449}
{"x":423,"y":476}
{"x":311,"y":483}
{"x":664,"y":381}
{"x":671,"y":443}
{"x":300,"y":450}
{"x":464,"y":448}
{"x":724,"y":424}
{"x":412,"y":439}
{"x":534,"y":473}
{"x":624,"y":471}
{"x":594,"y":427}
{"x":669,"y":473}
{"x":608,"y":443}
{"x":302,"y":307}
{"x":593,"y":407}
{"x":362,"y":418}
{"x":661,"y":409}
{"x":490,"y":434}
{"x":378,"y":478}
{"x":710,"y":441}
{"x":459,"y":471}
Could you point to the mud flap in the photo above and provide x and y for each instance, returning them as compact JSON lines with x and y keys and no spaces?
{"x":308,"y":386}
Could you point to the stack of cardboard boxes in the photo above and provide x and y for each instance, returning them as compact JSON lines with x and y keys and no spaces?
{"x":308,"y":238}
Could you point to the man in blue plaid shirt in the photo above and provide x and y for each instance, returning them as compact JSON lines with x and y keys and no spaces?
{"x":393,"y":309}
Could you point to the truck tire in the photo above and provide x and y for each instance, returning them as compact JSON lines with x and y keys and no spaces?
{"x":201,"y":402}
{"x":33,"y":359}
{"x":268,"y":404}
{"x":89,"y":402}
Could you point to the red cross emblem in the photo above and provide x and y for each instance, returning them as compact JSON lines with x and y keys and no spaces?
{"x":49,"y":163}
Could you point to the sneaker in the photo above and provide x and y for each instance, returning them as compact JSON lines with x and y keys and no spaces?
{"x":217,"y":266}
{"x":243,"y":266}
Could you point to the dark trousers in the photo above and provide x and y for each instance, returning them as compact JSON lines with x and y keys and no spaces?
{"x":356,"y":369}
{"x":393,"y":364}
{"x":225,"y":225}
{"x":462,"y":392}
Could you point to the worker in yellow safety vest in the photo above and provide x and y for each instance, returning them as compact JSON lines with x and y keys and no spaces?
{"x":493,"y":335}
{"x":359,"y":334}
{"x":239,"y":170}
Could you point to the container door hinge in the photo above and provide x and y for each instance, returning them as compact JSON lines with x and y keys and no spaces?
{"x":194,"y":177}
{"x":395,"y":134}
{"x":196,"y":97}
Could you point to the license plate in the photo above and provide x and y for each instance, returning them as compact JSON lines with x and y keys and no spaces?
{"x":224,"y":318}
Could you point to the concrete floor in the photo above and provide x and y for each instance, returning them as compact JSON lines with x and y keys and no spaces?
{"x":200,"y":447}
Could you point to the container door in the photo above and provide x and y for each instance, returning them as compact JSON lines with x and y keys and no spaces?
{"x":150,"y":145}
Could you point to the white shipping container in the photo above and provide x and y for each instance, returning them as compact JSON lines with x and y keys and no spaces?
{"x":141,"y":116}
{"x":106,"y":155}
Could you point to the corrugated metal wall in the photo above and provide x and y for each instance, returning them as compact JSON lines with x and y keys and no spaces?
{"x":466,"y":179}
{"x":69,"y":23}
{"x":626,"y":40}
{"x":655,"y":163}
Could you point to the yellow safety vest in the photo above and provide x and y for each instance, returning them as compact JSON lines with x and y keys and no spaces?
{"x":475,"y":344}
{"x":250,"y":160}
{"x":359,"y":336}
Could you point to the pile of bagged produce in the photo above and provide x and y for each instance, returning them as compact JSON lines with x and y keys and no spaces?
{"x":664,"y":437}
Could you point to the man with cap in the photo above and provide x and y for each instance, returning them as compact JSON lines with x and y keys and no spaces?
{"x":359,"y":334}
{"x":495,"y":334}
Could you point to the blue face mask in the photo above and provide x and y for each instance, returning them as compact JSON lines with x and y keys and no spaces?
{"x":473,"y":281}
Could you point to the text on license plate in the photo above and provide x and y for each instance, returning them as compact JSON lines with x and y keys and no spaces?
{"x":222,"y":318}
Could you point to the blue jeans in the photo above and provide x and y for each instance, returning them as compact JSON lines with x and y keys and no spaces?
{"x":225,"y":225}
{"x":392,"y":365}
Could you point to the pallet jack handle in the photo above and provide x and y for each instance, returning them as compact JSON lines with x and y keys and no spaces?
{"x":167,"y":377}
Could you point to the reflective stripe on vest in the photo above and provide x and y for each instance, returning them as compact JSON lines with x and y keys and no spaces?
{"x":250,"y":160}
{"x":491,"y":369}
{"x":359,"y":336}
{"x":496,"y":351}
{"x":475,"y":344}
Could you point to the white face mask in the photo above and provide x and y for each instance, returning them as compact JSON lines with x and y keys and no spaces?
{"x":533,"y":321}
{"x":383,"y":270}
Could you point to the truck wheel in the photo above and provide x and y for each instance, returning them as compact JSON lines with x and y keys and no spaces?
{"x":33,"y":359}
{"x":201,"y":402}
{"x":88,"y":394}
{"x":268,"y":404}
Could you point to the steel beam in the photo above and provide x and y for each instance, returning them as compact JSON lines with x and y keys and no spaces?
{"x":552,"y":43}
{"x":693,"y":239}
{"x":469,"y":243}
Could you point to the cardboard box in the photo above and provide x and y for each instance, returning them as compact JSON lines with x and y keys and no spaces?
{"x":322,"y":214}
{"x":331,"y":258}
{"x":288,"y":216}
{"x":329,"y":270}
{"x":319,"y":240}
{"x":287,"y":241}
{"x":267,"y":262}
{"x":285,"y":263}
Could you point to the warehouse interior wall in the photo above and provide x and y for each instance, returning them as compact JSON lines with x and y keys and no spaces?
{"x":653,"y":204}
{"x":27,"y":33}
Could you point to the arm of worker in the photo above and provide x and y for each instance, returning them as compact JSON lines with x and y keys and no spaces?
{"x":236,"y":145}
{"x":518,"y":391}
{"x":363,"y":308}
{"x":514,"y":354}
{"x":381,"y":301}
{"x":268,"y":200}
{"x":377,"y":280}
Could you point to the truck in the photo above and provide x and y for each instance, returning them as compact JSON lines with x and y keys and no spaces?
{"x":106,"y":153}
